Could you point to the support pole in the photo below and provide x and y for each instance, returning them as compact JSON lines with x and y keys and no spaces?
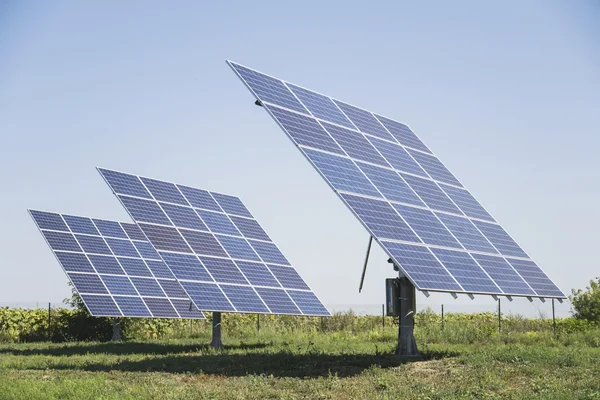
{"x":362,"y":277}
{"x":442,"y":317}
{"x":499,"y":317}
{"x":216,"y":331}
{"x":407,"y":347}
{"x":50,"y":322}
{"x":257,"y":322}
{"x":116,"y":337}
{"x":554,"y":320}
{"x":383,"y":315}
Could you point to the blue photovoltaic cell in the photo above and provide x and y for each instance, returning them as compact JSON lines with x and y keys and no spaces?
{"x":288,"y":277}
{"x":466,"y":271}
{"x":106,"y":264}
{"x":250,"y":228}
{"x":199,"y":198}
{"x":119,"y":285}
{"x":161,"y":308}
{"x":355,"y":144}
{"x":269,"y":253}
{"x":466,"y":233}
{"x":184,"y":217}
{"x":123,"y":248}
{"x":146,"y":250}
{"x":145,"y":210}
{"x":218,"y":223}
{"x":223,"y":270}
{"x":77,"y":262}
{"x":380,"y":218}
{"x":503,"y":274}
{"x":390,"y":184}
{"x":342,"y":173}
{"x":278,"y":301}
{"x":422,"y":266}
{"x":435,"y":168}
{"x":61,"y":241}
{"x":467,"y":203}
{"x":50,"y":221}
{"x":397,"y":157}
{"x":403,"y":134}
{"x":164,"y":191}
{"x":500,"y":239}
{"x":81,"y":225}
{"x":110,"y":228}
{"x":132,"y":306}
{"x":244,"y":299}
{"x":234,"y":252}
{"x":93,"y":244}
{"x":308,"y":302}
{"x":268,"y":89}
{"x":257,"y":274}
{"x":125,"y":184}
{"x":431,"y":194}
{"x":305,"y":130}
{"x":186,"y":266}
{"x":147,"y":287}
{"x":87,"y":283}
{"x":238,"y":248}
{"x":134,"y":266}
{"x":232,"y":205}
{"x":427,"y":226}
{"x":384,"y":142}
{"x":186,"y":309}
{"x":364,"y":121}
{"x":101,"y":306}
{"x":320,"y":106}
{"x":163,"y":238}
{"x":535,"y":277}
{"x":207,"y":296}
{"x":204,"y":243}
{"x":133,"y":231}
{"x":123,"y":279}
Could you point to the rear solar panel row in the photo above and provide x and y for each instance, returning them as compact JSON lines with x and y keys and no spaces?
{"x":402,"y":193}
{"x":114,"y":268}
{"x":223,"y":258}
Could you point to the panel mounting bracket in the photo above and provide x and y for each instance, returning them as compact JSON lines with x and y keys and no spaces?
{"x":530,"y":299}
{"x":454,"y":295}
{"x":426,"y":293}
{"x":258,"y":103}
{"x":495,"y":297}
{"x":509,"y":298}
{"x":543,"y":300}
{"x":560,"y":300}
{"x":471,"y":296}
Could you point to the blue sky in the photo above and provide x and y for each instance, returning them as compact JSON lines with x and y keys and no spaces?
{"x":506,"y":94}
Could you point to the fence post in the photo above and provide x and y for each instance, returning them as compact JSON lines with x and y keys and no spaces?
{"x":322,"y":324}
{"x":499,"y":317}
{"x":49,"y":322}
{"x":442,"y":317}
{"x":554,"y":321}
{"x":257,"y":322}
{"x":383,"y":315}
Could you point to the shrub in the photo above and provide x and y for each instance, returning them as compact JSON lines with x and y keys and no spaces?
{"x":586,"y":303}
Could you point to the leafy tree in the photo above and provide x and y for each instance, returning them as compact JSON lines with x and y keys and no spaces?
{"x":586,"y":303}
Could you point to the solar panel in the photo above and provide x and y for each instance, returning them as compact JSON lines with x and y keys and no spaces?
{"x":113,"y":278}
{"x":440,"y":236}
{"x":214,"y":247}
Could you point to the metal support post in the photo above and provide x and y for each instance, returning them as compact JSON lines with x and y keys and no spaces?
{"x":407,"y":347}
{"x":499,"y":317}
{"x":383,"y":315}
{"x":216,"y":331}
{"x":362,"y":277}
{"x":257,"y":322}
{"x":49,"y":322}
{"x":442,"y":317}
{"x":116,"y":337}
{"x":554,"y":321}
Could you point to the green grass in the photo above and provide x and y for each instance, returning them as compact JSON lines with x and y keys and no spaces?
{"x":298,"y":365}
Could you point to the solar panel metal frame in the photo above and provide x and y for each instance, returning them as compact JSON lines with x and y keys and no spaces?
{"x":302,"y":148}
{"x":99,"y":275}
{"x":217,"y":283}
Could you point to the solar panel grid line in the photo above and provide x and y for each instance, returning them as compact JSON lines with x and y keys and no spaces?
{"x":232,"y":211}
{"x":65,"y":271}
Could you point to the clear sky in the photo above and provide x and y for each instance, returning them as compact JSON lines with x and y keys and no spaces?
{"x":506,"y":94}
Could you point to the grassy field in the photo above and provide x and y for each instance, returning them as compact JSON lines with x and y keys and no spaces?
{"x":312,"y":365}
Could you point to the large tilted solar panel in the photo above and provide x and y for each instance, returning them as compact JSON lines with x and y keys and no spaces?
{"x":418,"y":211}
{"x":114,"y":269}
{"x":215,"y":248}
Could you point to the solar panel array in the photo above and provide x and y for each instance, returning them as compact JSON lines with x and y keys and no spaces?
{"x":428,"y":223}
{"x":215,"y":248}
{"x":114,"y":269}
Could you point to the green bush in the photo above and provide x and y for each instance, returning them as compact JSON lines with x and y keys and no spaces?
{"x":586,"y":303}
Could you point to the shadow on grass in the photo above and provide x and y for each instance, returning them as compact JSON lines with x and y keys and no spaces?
{"x":280,"y":364}
{"x":123,"y":349}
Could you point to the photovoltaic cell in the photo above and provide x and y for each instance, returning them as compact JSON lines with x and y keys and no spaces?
{"x":503,"y":274}
{"x":217,"y":254}
{"x":113,"y":286}
{"x":359,"y":138}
